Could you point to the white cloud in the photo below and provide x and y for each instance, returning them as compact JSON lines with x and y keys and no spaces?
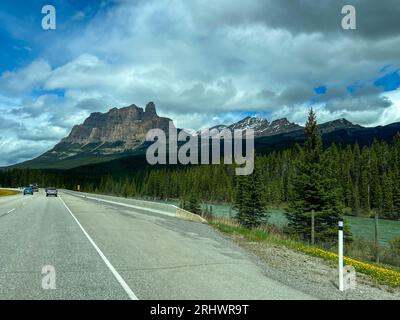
{"x":391,"y":114}
{"x":25,"y":79}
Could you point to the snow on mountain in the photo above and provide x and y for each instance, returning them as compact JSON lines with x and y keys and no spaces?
{"x":261,"y":126}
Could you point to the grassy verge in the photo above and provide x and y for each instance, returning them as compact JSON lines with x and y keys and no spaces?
{"x":4,"y":193}
{"x":381,"y":274}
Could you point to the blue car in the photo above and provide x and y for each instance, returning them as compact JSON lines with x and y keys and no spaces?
{"x":28,"y":190}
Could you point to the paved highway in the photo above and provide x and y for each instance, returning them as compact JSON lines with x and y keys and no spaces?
{"x":106,"y":251}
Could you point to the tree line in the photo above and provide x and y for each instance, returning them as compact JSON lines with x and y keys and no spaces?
{"x":365,"y":180}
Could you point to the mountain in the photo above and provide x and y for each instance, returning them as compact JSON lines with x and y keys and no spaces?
{"x":255,"y":123}
{"x":261,"y":126}
{"x":115,"y":131}
{"x":102,"y":137}
{"x":120,"y":133}
{"x":280,"y":126}
{"x":340,"y":132}
{"x":337,"y":125}
{"x":265,"y":144}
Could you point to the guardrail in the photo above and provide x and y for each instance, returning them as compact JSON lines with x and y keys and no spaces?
{"x":143,"y":205}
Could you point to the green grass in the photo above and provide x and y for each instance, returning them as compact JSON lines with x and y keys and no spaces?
{"x":266,"y":234}
{"x":4,"y":193}
{"x":251,"y":235}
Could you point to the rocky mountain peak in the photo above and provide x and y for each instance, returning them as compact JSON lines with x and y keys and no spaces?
{"x":150,"y":110}
{"x":117,"y":130}
{"x":255,"y":123}
{"x":283,"y":121}
{"x":337,"y":124}
{"x":262,"y":127}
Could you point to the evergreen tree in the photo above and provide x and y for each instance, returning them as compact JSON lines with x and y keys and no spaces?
{"x":365,"y":188}
{"x":193,"y":204}
{"x":248,"y":200}
{"x":396,"y":177}
{"x":314,"y":189}
{"x":387,"y":204}
{"x":355,"y":201}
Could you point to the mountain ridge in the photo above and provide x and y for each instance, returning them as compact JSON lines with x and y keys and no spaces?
{"x":120,"y":132}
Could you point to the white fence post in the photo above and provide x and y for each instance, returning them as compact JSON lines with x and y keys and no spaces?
{"x":341,"y":255}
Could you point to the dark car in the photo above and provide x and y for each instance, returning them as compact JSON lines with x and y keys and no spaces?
{"x":28,"y":190}
{"x":51,"y":192}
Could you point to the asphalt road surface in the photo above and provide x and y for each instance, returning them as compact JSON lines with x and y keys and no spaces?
{"x":74,"y":248}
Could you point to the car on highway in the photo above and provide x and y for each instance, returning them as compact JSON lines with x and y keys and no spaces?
{"x":35,"y":187}
{"x":50,"y":191}
{"x":28,"y":190}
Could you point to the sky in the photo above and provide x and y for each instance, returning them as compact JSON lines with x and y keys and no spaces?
{"x":202,"y":62}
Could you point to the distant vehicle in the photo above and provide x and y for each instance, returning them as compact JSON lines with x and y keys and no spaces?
{"x":35,"y":187}
{"x":28,"y":190}
{"x":51,"y":192}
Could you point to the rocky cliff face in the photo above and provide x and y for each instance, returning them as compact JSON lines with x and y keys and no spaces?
{"x":116,"y":131}
{"x":128,"y":125}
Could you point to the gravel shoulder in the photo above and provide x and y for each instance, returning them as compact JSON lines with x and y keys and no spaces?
{"x":311,"y":275}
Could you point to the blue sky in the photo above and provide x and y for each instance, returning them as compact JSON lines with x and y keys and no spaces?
{"x":22,"y":37}
{"x":201,"y":64}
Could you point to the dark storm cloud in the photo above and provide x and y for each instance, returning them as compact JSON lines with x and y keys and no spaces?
{"x":6,"y":124}
{"x":375,"y":19}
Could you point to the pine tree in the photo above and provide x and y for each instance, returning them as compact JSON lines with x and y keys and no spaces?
{"x":396,"y":198}
{"x":396,"y":176}
{"x":240,"y":196}
{"x":355,"y":201}
{"x":249,"y":200}
{"x":193,"y":204}
{"x":314,"y":189}
{"x":365,"y":186}
{"x":376,"y":192}
{"x":387,"y":205}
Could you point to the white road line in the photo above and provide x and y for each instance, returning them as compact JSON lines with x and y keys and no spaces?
{"x":117,"y":276}
{"x":10,"y":211}
{"x":170,"y":214}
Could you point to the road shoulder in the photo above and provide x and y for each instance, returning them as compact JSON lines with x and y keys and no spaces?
{"x":311,"y":274}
